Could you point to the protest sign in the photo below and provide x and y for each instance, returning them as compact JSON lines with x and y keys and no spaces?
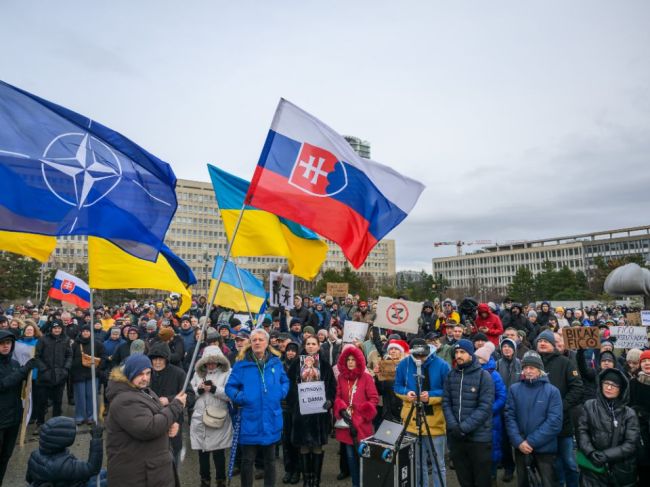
{"x":645,"y":317}
{"x":633,"y":319}
{"x":354,"y":329}
{"x":398,"y":315}
{"x":281,"y":290}
{"x":580,"y":337}
{"x":311,"y":397}
{"x":629,"y":336}
{"x":338,"y":289}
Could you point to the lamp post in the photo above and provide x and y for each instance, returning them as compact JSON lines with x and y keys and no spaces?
{"x":206,"y":267}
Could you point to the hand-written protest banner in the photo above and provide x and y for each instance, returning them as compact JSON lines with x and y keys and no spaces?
{"x":354,"y":329}
{"x":398,"y":315}
{"x":581,"y":337}
{"x":633,"y":319}
{"x":311,"y":396}
{"x":338,"y":289}
{"x":645,"y":317}
{"x":629,"y":336}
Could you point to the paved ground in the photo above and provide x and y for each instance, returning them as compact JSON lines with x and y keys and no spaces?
{"x":15,"y":476}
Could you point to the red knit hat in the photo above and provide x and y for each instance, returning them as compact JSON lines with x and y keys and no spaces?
{"x":400,"y":345}
{"x":645,"y":355}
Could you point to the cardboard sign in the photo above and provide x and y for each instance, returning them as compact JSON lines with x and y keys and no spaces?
{"x":281,"y":290}
{"x":645,"y":317}
{"x":311,"y":397}
{"x":338,"y":289}
{"x":354,"y":329}
{"x":581,"y":337}
{"x":398,"y":315}
{"x":633,"y":319}
{"x":629,"y":336}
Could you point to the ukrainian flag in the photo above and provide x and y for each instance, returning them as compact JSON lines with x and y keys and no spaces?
{"x":32,"y":245}
{"x":263,"y":233}
{"x":230,"y":290}
{"x":110,"y":267}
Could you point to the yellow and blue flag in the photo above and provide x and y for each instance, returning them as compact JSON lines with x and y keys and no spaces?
{"x":38,"y":247}
{"x":263,"y":233}
{"x":109,"y":267}
{"x":230,"y":290}
{"x":62,"y":173}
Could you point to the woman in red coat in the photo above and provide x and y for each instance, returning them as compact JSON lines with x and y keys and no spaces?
{"x":356,"y":396}
{"x":489,"y":323}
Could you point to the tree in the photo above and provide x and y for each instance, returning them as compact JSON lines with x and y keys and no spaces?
{"x":19,"y":276}
{"x":523,"y":286}
{"x":355,"y":283}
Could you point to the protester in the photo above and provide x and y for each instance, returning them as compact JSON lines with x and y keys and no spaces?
{"x":81,"y":374}
{"x":467,"y":406}
{"x":211,"y":425}
{"x":290,"y":454}
{"x":640,"y":402}
{"x":257,"y":385}
{"x":434,"y":372}
{"x":608,"y":434}
{"x":385,"y":372}
{"x":489,"y":323}
{"x":138,"y":428}
{"x":533,"y":418}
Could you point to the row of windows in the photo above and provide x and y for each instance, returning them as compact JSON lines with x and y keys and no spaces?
{"x":195,"y":221}
{"x":640,"y":245}
{"x":193,"y":232}
{"x":196,"y":197}
{"x":563,"y":254}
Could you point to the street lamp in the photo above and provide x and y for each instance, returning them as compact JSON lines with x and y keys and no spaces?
{"x":206,"y":266}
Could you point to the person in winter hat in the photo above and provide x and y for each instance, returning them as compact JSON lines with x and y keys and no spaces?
{"x":488,"y":323}
{"x":640,"y":402}
{"x":509,"y":368}
{"x":52,"y":464}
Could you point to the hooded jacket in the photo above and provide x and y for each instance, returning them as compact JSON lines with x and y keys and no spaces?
{"x":534,"y":413}
{"x":53,"y":465}
{"x":563,"y":374}
{"x":612,"y":428}
{"x":356,"y":384}
{"x":258,"y":389}
{"x":427,"y":320}
{"x":54,"y":359}
{"x":509,"y":369}
{"x":500,"y":394}
{"x":137,"y":441}
{"x":492,"y":322}
{"x":12,"y":376}
{"x":435,"y":371}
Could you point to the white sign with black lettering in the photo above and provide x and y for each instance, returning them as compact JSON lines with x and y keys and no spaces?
{"x":311,"y":396}
{"x":645,"y":317}
{"x":354,"y":330}
{"x":630,"y":336}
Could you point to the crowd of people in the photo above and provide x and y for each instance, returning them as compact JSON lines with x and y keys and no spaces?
{"x":497,"y":387}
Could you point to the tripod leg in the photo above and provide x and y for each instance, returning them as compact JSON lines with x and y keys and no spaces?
{"x":438,"y":465}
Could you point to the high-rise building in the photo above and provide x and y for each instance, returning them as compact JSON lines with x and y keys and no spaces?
{"x":362,"y":147}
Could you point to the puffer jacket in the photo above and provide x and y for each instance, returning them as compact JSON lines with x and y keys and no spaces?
{"x":435,"y":371}
{"x":359,"y":385}
{"x":53,"y":464}
{"x":12,"y":376}
{"x":203,"y":437}
{"x":509,"y":370}
{"x":613,"y":429}
{"x":258,"y":390}
{"x":500,"y":394}
{"x":54,"y":359}
{"x":427,"y":321}
{"x":534,"y":413}
{"x":467,"y":402}
{"x":492,"y":322}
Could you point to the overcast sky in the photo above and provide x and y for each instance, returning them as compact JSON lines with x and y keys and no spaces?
{"x":524,"y":119}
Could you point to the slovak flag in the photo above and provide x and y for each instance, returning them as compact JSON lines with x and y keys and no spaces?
{"x":70,"y":289}
{"x":309,"y":173}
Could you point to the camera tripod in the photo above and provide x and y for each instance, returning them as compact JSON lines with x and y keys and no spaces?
{"x":417,"y":406}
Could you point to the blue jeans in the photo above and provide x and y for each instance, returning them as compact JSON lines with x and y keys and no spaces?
{"x":102,"y":480}
{"x":440,"y":444}
{"x":566,"y":468}
{"x":83,"y":400}
{"x":353,"y":464}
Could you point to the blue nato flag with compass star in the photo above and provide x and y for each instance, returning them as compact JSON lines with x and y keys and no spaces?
{"x":64,"y":174}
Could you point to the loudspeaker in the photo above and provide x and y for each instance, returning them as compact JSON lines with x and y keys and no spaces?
{"x":383,"y":466}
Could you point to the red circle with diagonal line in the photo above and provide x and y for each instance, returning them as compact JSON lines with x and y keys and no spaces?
{"x":397,"y":313}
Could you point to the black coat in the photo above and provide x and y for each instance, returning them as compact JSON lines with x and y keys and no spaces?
{"x":53,"y":464}
{"x":78,"y":372}
{"x":122,"y":353}
{"x":613,"y":429}
{"x":12,"y":376}
{"x":563,"y":374}
{"x":313,"y":429}
{"x":54,"y":359}
{"x":640,"y":402}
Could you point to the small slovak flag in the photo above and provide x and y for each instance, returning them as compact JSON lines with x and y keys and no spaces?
{"x":70,"y":289}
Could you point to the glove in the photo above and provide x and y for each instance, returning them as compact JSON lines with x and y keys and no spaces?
{"x":327,"y":405}
{"x":346,"y":416}
{"x":30,"y":364}
{"x":97,"y":432}
{"x":598,"y":458}
{"x":456,"y":432}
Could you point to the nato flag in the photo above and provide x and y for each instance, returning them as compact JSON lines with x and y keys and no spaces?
{"x":64,"y":174}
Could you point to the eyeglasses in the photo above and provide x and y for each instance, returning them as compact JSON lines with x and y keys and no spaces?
{"x":610,"y":385}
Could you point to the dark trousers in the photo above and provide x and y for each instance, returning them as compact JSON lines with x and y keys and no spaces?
{"x":290,"y":454}
{"x":343,"y":460}
{"x":507,"y":460}
{"x":472,"y":461}
{"x":219,"y":459}
{"x":8,"y":437}
{"x":544,"y":462}
{"x":248,"y":461}
{"x":45,"y":393}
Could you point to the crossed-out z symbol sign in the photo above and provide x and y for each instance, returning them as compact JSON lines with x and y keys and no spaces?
{"x":397,"y":313}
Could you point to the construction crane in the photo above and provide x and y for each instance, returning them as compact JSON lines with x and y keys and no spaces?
{"x":460,"y":244}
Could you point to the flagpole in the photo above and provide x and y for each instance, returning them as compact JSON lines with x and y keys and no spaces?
{"x":213,"y":295}
{"x":241,"y":285}
{"x":93,"y":378}
{"x":40,"y":289}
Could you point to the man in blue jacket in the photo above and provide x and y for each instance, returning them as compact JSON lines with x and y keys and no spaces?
{"x":534,"y":420}
{"x":257,"y":385}
{"x":467,"y":406}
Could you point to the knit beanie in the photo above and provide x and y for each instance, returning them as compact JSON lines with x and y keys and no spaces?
{"x":309,"y":329}
{"x":546,"y":335}
{"x":633,"y":355}
{"x":135,"y":364}
{"x":510,"y":343}
{"x":645,"y":355}
{"x":532,"y":313}
{"x":166,"y":334}
{"x":532,"y":359}
{"x":137,"y":346}
{"x":485,"y":352}
{"x":605,"y":344}
{"x":611,"y":376}
{"x":479,"y":336}
{"x":151,"y":325}
{"x":576,"y":323}
{"x":465,"y":344}
{"x":609,"y":356}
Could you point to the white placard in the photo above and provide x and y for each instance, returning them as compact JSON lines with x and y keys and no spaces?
{"x":398,"y":315}
{"x":354,"y":329}
{"x":311,"y":396}
{"x":629,"y":336}
{"x":281,"y":290}
{"x":645,"y":317}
